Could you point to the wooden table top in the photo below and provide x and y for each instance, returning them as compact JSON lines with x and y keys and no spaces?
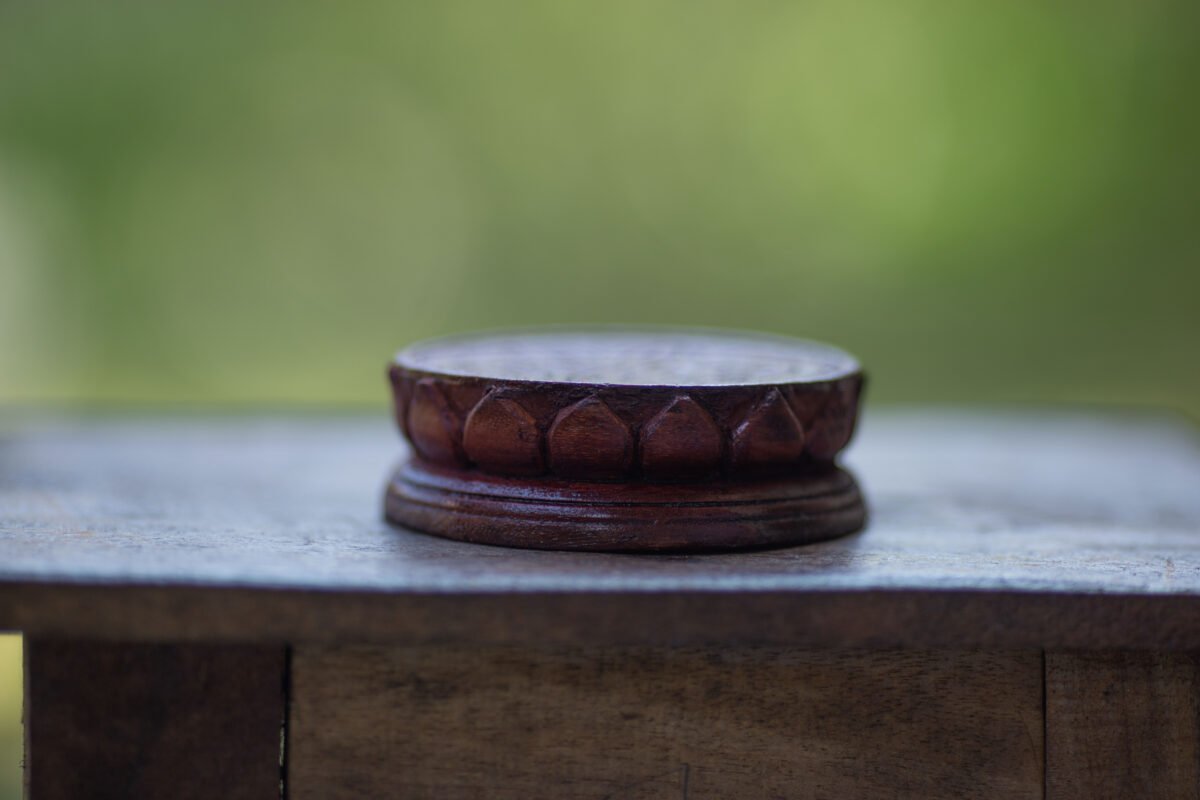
{"x":1014,"y":529}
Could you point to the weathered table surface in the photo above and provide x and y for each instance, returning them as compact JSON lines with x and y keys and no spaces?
{"x":1040,"y":529}
{"x":214,"y":608}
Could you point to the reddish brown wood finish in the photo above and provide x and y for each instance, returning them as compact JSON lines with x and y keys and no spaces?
{"x":621,"y":440}
{"x":567,"y":515}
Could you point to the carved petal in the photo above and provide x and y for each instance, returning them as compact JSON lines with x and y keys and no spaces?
{"x":834,"y":424}
{"x":807,"y":402}
{"x":402,"y":389}
{"x":681,"y":441}
{"x":770,"y":435}
{"x":589,"y":441}
{"x":433,"y":426}
{"x":500,"y":436}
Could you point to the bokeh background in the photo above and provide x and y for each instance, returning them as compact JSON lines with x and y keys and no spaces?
{"x":252,"y":205}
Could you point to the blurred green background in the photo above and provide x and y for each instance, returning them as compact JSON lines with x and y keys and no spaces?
{"x":211,"y":203}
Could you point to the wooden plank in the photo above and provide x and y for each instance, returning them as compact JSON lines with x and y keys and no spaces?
{"x":806,"y":619}
{"x":463,"y":722}
{"x":1122,"y":724}
{"x":991,"y":530}
{"x":152,"y":720}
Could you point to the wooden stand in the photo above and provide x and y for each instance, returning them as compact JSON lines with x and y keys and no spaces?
{"x":615,"y":439}
{"x":214,"y":608}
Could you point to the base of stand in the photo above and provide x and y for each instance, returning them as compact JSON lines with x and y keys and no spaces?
{"x":565,"y":515}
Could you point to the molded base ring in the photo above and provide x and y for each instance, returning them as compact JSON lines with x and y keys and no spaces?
{"x":564,"y":515}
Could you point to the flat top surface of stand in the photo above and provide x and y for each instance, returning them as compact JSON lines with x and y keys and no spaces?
{"x":1031,"y":528}
{"x":634,"y":357}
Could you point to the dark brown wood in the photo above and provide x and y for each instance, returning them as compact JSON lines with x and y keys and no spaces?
{"x":1122,"y":724}
{"x":812,"y":618}
{"x":618,"y":439}
{"x":458,"y":722}
{"x":644,"y":517}
{"x":998,"y":530}
{"x":120,"y":720}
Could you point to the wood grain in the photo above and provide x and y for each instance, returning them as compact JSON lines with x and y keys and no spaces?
{"x":152,"y":720}
{"x":1122,"y":724}
{"x":470,"y":722}
{"x":811,"y":506}
{"x":999,"y":530}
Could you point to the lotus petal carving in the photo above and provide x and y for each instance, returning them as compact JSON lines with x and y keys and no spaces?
{"x":587,"y":440}
{"x":500,"y":436}
{"x":834,"y":423}
{"x":768,"y":436}
{"x":681,"y":441}
{"x":433,"y":426}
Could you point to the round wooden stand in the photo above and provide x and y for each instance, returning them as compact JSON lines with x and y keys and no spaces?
{"x":629,"y":440}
